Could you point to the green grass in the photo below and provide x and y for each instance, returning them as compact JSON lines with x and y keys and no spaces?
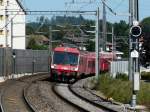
{"x":145,"y":76}
{"x":121,"y":90}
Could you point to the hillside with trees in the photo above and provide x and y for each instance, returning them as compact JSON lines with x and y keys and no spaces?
{"x":69,"y":26}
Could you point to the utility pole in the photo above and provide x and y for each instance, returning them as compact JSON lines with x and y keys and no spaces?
{"x":50,"y":48}
{"x":6,"y":26}
{"x":12,"y":34}
{"x":135,"y":32}
{"x":104,"y":27}
{"x":130,"y":39}
{"x":130,"y":12}
{"x":112,"y":39}
{"x":97,"y":65}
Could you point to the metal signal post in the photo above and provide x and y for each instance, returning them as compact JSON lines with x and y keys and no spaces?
{"x":135,"y":32}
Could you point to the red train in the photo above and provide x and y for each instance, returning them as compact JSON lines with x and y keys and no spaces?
{"x":70,"y":63}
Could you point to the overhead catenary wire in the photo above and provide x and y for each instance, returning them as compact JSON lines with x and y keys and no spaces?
{"x":118,"y":5}
{"x":87,"y":4}
{"x":113,"y":12}
{"x":109,"y":8}
{"x":40,"y":26}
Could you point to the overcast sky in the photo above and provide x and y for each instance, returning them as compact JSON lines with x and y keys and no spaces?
{"x":119,"y":6}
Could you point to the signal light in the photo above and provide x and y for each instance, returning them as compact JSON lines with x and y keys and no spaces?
{"x":135,"y":31}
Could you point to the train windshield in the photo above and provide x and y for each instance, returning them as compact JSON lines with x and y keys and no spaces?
{"x":65,"y":58}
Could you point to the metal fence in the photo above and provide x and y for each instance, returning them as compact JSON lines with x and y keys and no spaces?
{"x":28,"y":61}
{"x":118,"y":66}
{"x":5,"y":61}
{"x":23,"y":61}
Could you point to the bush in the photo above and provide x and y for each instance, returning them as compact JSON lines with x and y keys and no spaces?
{"x":121,"y":90}
{"x":122,"y":76}
{"x":145,"y":76}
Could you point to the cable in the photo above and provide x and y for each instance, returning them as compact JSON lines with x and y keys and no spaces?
{"x":119,"y":4}
{"x":40,"y":26}
{"x":91,"y":2}
{"x":86,"y":3}
{"x":109,"y":8}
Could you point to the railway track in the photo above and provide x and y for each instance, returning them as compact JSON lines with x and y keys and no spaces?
{"x":44,"y":96}
{"x":86,"y":94}
{"x":57,"y":97}
{"x":33,"y":94}
{"x":12,"y":99}
{"x":64,"y":92}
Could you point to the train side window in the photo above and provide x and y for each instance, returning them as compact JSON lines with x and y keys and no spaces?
{"x":91,"y":64}
{"x":80,"y":61}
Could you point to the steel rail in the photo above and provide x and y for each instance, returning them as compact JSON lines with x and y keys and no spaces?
{"x":92,"y":108}
{"x":93,"y":103}
{"x":57,"y":93}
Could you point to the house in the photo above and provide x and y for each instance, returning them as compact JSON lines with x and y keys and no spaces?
{"x":39,"y":39}
{"x":12,"y":25}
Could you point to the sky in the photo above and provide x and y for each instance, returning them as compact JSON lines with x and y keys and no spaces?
{"x":119,"y":6}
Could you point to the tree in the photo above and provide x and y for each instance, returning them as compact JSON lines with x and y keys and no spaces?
{"x":145,"y":53}
{"x":121,"y":31}
{"x":146,"y":27}
{"x":34,"y":46}
{"x":31,"y":43}
{"x":90,"y":46}
{"x":121,"y":28}
{"x":29,"y":29}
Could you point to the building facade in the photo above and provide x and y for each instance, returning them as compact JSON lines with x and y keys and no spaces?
{"x":12,"y":24}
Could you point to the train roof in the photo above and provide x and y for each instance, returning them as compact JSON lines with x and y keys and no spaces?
{"x":102,"y":54}
{"x":67,"y":49}
{"x":85,"y":53}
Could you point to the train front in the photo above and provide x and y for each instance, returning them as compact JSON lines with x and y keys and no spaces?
{"x":64,"y":66}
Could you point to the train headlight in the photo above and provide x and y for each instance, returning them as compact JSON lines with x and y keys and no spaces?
{"x":52,"y":66}
{"x":76,"y":69}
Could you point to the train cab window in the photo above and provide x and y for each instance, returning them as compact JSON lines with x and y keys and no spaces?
{"x":65,"y":58}
{"x":73,"y":58}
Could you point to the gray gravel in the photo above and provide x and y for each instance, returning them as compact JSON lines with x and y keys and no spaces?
{"x":43,"y":99}
{"x":12,"y":99}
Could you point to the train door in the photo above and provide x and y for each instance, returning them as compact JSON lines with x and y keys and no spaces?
{"x":80,"y":65}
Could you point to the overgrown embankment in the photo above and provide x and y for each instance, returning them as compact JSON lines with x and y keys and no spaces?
{"x":120,"y":89}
